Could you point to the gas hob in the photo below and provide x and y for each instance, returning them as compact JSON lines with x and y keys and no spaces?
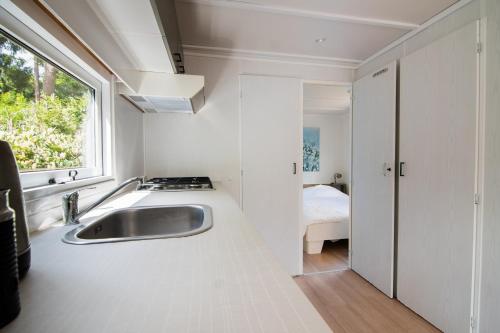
{"x":177,"y":184}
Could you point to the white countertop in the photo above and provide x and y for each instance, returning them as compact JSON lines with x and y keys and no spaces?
{"x":223,"y":280}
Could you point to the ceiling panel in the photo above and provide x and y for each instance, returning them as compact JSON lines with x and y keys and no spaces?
{"x":410,"y":11}
{"x":269,"y":32}
{"x":353,"y":29}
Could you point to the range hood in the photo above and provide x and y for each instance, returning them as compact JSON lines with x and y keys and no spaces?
{"x":163,"y":92}
{"x":167,"y":92}
{"x":139,"y":41}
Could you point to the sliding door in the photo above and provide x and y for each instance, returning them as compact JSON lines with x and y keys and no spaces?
{"x":438,"y":114}
{"x":373,"y":158}
{"x":271,"y":153}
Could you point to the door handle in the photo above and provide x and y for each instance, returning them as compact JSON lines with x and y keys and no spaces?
{"x":402,"y":169}
{"x":294,"y":168}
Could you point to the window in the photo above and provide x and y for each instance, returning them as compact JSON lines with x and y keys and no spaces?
{"x":45,"y":113}
{"x":50,"y":108}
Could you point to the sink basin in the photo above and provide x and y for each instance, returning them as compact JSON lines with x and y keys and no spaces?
{"x":138,"y":223}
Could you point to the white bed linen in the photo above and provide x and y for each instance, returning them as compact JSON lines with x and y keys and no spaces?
{"x":324,"y":204}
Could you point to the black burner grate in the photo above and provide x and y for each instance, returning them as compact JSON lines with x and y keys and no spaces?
{"x":182,"y":182}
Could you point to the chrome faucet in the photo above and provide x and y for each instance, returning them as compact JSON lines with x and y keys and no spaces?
{"x":71,"y":213}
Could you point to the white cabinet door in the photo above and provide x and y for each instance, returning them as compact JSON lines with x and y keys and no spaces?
{"x":436,"y":193}
{"x":271,"y":134}
{"x":373,"y":158}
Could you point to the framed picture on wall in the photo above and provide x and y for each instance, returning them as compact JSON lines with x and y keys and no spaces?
{"x":311,"y":149}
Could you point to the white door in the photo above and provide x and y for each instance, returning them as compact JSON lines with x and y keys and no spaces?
{"x":373,"y":158}
{"x":436,"y":189}
{"x":271,"y":134}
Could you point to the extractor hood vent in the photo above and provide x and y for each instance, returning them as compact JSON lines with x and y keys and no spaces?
{"x":171,"y":104}
{"x":162,"y":92}
{"x":155,"y":104}
{"x":138,"y":99}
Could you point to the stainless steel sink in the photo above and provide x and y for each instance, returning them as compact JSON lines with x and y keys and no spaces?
{"x":138,"y":223}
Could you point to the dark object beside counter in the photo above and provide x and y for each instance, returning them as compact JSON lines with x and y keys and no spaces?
{"x":9,"y":179}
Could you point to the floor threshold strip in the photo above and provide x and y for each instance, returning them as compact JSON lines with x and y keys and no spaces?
{"x":329,"y":271}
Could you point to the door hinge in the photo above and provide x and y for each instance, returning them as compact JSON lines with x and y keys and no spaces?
{"x":242,"y":173}
{"x":472,"y":322}
{"x":479,"y":47}
{"x":476,"y":199}
{"x":241,"y":94}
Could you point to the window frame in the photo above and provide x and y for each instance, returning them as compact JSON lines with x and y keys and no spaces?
{"x":38,"y":41}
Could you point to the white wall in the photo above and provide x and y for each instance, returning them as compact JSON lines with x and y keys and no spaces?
{"x":208,"y":143}
{"x":129,"y":140}
{"x":334,"y":147}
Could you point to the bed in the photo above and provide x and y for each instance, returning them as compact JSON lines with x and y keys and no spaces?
{"x":326,"y":216}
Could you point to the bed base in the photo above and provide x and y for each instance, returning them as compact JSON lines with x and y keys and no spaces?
{"x":316,"y":234}
{"x":313,"y":247}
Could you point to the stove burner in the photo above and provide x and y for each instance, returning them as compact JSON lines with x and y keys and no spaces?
{"x":177,"y":183}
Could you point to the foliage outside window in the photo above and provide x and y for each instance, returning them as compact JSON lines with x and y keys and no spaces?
{"x":46,"y":114}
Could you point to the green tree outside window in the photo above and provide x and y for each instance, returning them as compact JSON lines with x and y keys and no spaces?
{"x":43,"y":110}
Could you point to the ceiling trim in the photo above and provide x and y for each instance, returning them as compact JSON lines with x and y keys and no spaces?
{"x":448,"y":11}
{"x":326,"y":108}
{"x":288,"y":58}
{"x":305,"y":13}
{"x":325,"y":99}
{"x":327,"y":83}
{"x":325,"y":111}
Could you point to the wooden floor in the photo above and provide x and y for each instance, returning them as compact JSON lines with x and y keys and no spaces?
{"x":334,"y":256}
{"x":349,"y":304}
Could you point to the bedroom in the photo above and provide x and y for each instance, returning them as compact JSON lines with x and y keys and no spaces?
{"x":326,"y":176}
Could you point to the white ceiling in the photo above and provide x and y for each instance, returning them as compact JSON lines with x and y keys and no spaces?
{"x":354,"y":29}
{"x":326,"y":99}
{"x":409,"y":11}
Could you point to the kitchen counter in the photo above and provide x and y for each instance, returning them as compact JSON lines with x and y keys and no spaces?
{"x":223,"y":280}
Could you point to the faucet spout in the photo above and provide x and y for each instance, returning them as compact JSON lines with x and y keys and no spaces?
{"x":71,"y":212}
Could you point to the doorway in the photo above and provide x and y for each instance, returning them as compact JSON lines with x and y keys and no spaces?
{"x":326,"y":148}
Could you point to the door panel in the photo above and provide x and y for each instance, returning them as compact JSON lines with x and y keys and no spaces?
{"x":436,"y":209}
{"x":372,"y":202}
{"x":271,"y":137}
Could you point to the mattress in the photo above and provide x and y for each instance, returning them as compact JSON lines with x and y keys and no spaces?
{"x":325,"y":204}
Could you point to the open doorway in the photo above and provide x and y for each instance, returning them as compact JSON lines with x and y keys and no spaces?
{"x":326,"y":176}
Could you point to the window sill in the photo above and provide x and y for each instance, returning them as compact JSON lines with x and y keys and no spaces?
{"x":43,"y":191}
